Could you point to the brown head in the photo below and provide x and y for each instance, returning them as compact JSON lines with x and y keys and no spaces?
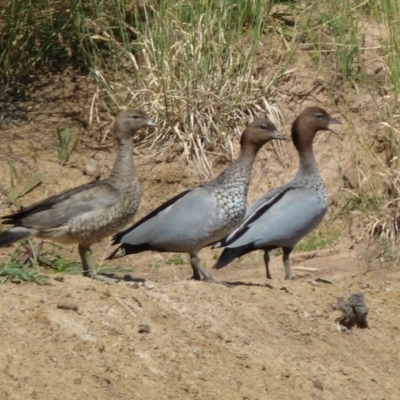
{"x":307,"y":124}
{"x":129,"y":121}
{"x":259,"y":132}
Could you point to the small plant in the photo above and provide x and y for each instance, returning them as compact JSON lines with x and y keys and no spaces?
{"x":23,"y":266}
{"x":18,"y":273}
{"x":156,"y":265}
{"x":318,"y":240}
{"x":65,"y":145}
{"x":12,"y":194}
{"x":59,"y":264}
{"x":176,"y":259}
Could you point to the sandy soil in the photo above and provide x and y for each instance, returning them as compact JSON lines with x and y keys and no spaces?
{"x":161,"y":336}
{"x":176,"y":339}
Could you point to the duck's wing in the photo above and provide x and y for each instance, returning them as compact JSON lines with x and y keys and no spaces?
{"x":280,"y":222}
{"x":57,"y":210}
{"x":175,"y":225}
{"x":259,"y":207}
{"x":123,"y":236}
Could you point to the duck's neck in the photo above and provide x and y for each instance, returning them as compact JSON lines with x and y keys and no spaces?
{"x":247,"y":157}
{"x":308,"y":164}
{"x":124,"y":166}
{"x":241,"y":168}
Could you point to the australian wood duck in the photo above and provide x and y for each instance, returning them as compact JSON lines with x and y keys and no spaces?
{"x":203,"y":215}
{"x":89,"y":213}
{"x":284,"y":215}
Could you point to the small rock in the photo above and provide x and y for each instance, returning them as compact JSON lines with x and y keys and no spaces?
{"x":314,"y":283}
{"x":133,"y":285}
{"x":92,"y":168}
{"x":149,"y":287}
{"x":67,"y":306}
{"x":318,"y":384}
{"x":144,"y":328}
{"x":322,"y":280}
{"x":59,"y":279}
{"x":364,"y":285}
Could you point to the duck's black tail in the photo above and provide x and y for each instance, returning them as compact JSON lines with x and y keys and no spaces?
{"x":14,"y":234}
{"x":125,"y":248}
{"x":229,"y":254}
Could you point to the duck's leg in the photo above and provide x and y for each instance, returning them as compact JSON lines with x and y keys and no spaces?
{"x":266,"y":262}
{"x":86,"y":258}
{"x":198,"y":270}
{"x":286,"y":263}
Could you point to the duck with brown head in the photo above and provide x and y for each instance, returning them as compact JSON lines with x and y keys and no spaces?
{"x":199,"y":217}
{"x":89,"y":213}
{"x":284,"y":215}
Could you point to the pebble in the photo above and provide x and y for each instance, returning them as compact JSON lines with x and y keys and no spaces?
{"x":318,"y":384}
{"x":144,"y":328}
{"x":92,"y":168}
{"x":67,"y":306}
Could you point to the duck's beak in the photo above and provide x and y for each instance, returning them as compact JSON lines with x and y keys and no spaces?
{"x":151,"y":123}
{"x":277,"y":135}
{"x":333,"y":121}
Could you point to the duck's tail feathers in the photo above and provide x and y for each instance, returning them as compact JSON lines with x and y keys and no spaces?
{"x":125,"y":248}
{"x":229,"y":254}
{"x":14,"y":234}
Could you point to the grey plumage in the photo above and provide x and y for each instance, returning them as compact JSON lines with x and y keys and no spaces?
{"x":203,"y":215}
{"x":281,"y":217}
{"x":91,"y":212}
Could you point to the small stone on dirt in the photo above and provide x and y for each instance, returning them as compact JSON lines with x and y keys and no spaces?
{"x":92,"y":168}
{"x":144,"y":328}
{"x":322,"y":280}
{"x":133,"y":285}
{"x":67,"y":306}
{"x":149,"y":287}
{"x":318,"y":384}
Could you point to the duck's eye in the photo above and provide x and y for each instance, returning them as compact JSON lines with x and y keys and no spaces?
{"x":319,"y":115}
{"x":263,"y":126}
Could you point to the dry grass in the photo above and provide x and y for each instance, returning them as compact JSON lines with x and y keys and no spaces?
{"x":206,"y":68}
{"x":198,"y":77}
